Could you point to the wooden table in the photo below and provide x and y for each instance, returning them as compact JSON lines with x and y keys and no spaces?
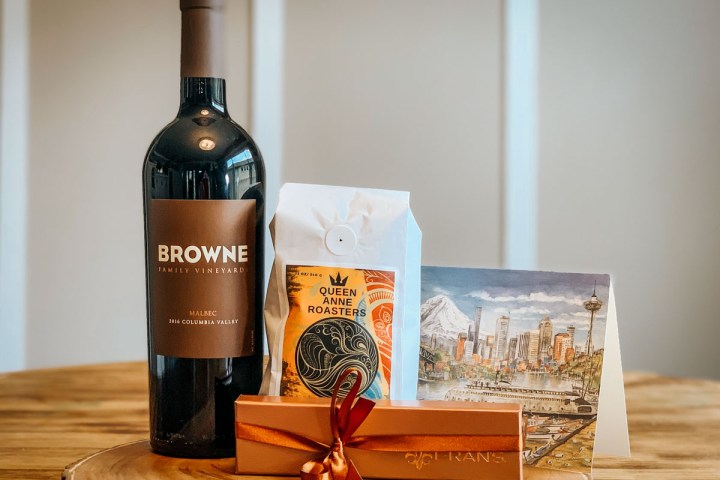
{"x":51,"y":418}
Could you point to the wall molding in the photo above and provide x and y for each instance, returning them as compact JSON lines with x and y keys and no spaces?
{"x":520,"y":132}
{"x":14,"y":84}
{"x":266,"y":99}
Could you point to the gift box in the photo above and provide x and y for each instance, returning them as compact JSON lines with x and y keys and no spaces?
{"x":385,"y":439}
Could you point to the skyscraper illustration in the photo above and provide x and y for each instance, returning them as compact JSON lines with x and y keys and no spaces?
{"x":562,"y":340}
{"x":460,"y":346}
{"x":571,"y":332}
{"x":476,"y":336}
{"x":546,"y":338}
{"x":523,"y":344}
{"x":502,"y":325}
{"x":533,"y":346}
{"x":512,"y":349}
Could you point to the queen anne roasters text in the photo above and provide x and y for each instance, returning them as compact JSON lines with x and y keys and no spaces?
{"x":337,"y":301}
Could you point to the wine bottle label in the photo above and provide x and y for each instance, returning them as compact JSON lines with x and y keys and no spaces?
{"x":339,"y":318}
{"x":201,"y":275}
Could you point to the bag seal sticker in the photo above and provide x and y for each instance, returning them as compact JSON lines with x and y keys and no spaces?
{"x":341,"y":240}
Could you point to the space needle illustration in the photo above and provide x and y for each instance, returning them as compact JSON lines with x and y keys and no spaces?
{"x":592,"y":306}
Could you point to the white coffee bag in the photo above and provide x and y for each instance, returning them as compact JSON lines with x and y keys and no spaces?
{"x":344,"y":292}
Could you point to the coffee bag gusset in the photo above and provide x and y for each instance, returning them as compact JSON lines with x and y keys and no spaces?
{"x":344,"y":292}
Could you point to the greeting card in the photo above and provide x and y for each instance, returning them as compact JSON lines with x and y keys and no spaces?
{"x":545,"y":340}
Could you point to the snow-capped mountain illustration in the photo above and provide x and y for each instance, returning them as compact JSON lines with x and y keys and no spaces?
{"x":441,"y":316}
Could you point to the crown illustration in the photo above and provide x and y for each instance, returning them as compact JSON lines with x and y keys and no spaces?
{"x":337,"y":281}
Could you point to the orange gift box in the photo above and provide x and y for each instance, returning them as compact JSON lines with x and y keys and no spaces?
{"x":395,"y":440}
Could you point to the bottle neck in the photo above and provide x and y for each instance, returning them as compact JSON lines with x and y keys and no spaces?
{"x":201,"y":54}
{"x":200,"y":92}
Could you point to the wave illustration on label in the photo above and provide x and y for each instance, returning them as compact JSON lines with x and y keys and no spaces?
{"x":331,"y":346}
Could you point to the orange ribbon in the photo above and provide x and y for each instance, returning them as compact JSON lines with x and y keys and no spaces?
{"x":345,"y":420}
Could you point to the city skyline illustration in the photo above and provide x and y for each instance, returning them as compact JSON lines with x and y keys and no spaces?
{"x":526,"y":297}
{"x":519,"y":336}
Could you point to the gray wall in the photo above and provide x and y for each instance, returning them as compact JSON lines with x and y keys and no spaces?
{"x":630,"y":167}
{"x":408,"y":95}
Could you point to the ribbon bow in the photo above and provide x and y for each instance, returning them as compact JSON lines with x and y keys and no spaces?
{"x":344,"y":420}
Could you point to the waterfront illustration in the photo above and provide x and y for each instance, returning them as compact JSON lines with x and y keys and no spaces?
{"x":507,"y":336}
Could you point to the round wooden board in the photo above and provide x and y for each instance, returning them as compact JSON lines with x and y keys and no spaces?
{"x":136,"y":460}
{"x":133,"y":461}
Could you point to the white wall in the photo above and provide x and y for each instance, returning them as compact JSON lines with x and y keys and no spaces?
{"x":104,"y":81}
{"x":630,"y":167}
{"x":404,"y":94}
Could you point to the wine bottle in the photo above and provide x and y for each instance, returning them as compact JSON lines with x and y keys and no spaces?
{"x":203,"y":186}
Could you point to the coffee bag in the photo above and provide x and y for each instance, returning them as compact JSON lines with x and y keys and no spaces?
{"x":344,"y":292}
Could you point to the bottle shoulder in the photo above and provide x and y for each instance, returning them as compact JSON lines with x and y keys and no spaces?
{"x":205,"y":139}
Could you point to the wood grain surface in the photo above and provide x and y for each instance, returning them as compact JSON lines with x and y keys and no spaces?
{"x":50,"y":419}
{"x":135,"y":460}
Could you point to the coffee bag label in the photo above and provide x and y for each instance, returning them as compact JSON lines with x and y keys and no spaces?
{"x":338,"y":318}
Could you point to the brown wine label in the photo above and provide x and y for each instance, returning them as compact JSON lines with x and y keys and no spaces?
{"x":201,"y":277}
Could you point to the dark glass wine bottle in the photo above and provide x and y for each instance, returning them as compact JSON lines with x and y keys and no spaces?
{"x":203,"y":186}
